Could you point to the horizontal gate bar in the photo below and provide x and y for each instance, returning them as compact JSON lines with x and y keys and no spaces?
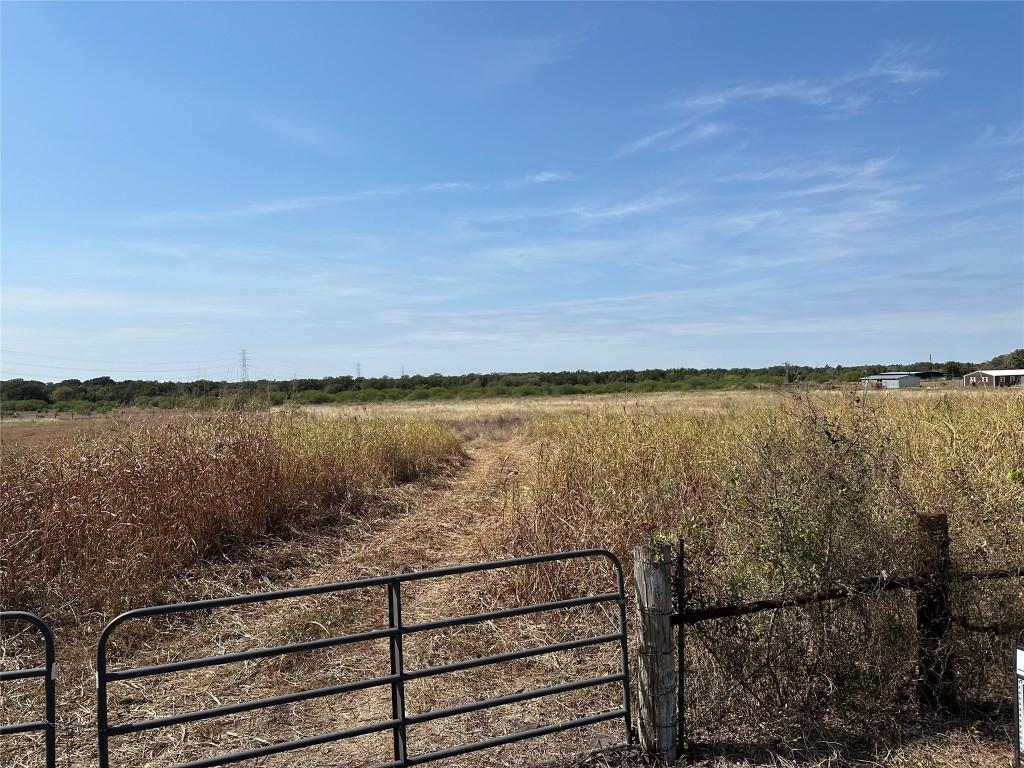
{"x":288,"y":746}
{"x":22,"y":674}
{"x":459,"y":666}
{"x":10,"y":730}
{"x":248,"y":706}
{"x":518,"y":736}
{"x":376,"y":581}
{"x":229,"y":658}
{"x":512,"y":698}
{"x":522,"y":610}
{"x":259,"y":653}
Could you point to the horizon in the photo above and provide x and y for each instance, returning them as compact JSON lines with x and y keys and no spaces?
{"x":892,"y":368}
{"x":372,"y":189}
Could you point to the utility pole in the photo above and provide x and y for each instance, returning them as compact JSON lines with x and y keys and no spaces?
{"x":244,"y":362}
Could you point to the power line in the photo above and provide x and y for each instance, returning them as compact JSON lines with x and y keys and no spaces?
{"x":257,"y":363}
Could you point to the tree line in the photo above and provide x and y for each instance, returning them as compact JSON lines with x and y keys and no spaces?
{"x":104,"y":393}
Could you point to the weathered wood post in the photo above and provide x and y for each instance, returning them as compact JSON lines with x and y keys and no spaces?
{"x":936,"y":688}
{"x":652,"y":573}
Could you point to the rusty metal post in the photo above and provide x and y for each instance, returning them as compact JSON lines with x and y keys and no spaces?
{"x":652,"y":570}
{"x":936,"y":688}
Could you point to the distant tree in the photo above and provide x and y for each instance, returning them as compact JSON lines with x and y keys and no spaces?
{"x":20,"y":389}
{"x":955,"y":369}
{"x":1011,"y":360}
{"x":65,"y":393}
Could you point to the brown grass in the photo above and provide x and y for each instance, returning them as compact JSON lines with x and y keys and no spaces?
{"x":81,"y":518}
{"x":786,"y":495}
{"x":718,"y":463}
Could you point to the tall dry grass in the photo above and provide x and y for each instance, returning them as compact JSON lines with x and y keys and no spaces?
{"x":791,"y":494}
{"x":104,"y":523}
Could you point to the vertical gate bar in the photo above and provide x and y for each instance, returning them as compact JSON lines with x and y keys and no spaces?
{"x":680,"y":587}
{"x":627,"y":698}
{"x":397,"y":669}
{"x":101,"y":701}
{"x":50,"y":692}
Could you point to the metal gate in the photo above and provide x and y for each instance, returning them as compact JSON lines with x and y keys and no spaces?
{"x":48,"y":674}
{"x":399,"y":675}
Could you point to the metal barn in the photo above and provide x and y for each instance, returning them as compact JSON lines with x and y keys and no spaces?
{"x":894,"y":380}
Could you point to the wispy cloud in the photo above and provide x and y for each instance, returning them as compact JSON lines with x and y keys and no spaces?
{"x":642,"y":205}
{"x":873,"y":175}
{"x":543,"y":177}
{"x":901,"y":63}
{"x":516,"y":60}
{"x":1001,"y":136}
{"x":289,"y":204}
{"x":897,"y":70}
{"x":673,"y":137}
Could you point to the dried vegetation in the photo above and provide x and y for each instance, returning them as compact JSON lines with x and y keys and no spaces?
{"x":788,"y":495}
{"x":138,"y":505}
{"x":771,"y":493}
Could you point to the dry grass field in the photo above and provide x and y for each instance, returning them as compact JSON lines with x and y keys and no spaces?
{"x":771,"y":492}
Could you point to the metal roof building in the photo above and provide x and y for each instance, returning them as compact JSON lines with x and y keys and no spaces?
{"x":1013,"y":377}
{"x":891,"y":380}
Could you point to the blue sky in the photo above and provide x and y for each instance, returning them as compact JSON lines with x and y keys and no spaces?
{"x":479,"y":187}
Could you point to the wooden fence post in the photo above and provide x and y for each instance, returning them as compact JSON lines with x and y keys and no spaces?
{"x":652,"y":573}
{"x":936,"y":688}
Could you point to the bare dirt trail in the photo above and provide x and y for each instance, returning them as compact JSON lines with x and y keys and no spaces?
{"x":441,"y":521}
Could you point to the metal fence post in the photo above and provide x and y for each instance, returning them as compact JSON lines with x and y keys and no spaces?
{"x":652,"y":569}
{"x":936,"y":682}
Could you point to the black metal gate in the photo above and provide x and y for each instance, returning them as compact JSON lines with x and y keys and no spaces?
{"x":47,"y":673}
{"x":397,"y":630}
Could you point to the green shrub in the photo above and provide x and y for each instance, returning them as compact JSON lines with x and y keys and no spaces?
{"x":314,"y":397}
{"x":24,"y":405}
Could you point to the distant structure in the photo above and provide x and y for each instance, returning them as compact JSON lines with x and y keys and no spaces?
{"x":891,"y":380}
{"x":1007,"y":378}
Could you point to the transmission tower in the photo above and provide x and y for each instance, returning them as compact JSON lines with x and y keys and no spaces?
{"x":244,"y":363}
{"x":359,"y":371}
